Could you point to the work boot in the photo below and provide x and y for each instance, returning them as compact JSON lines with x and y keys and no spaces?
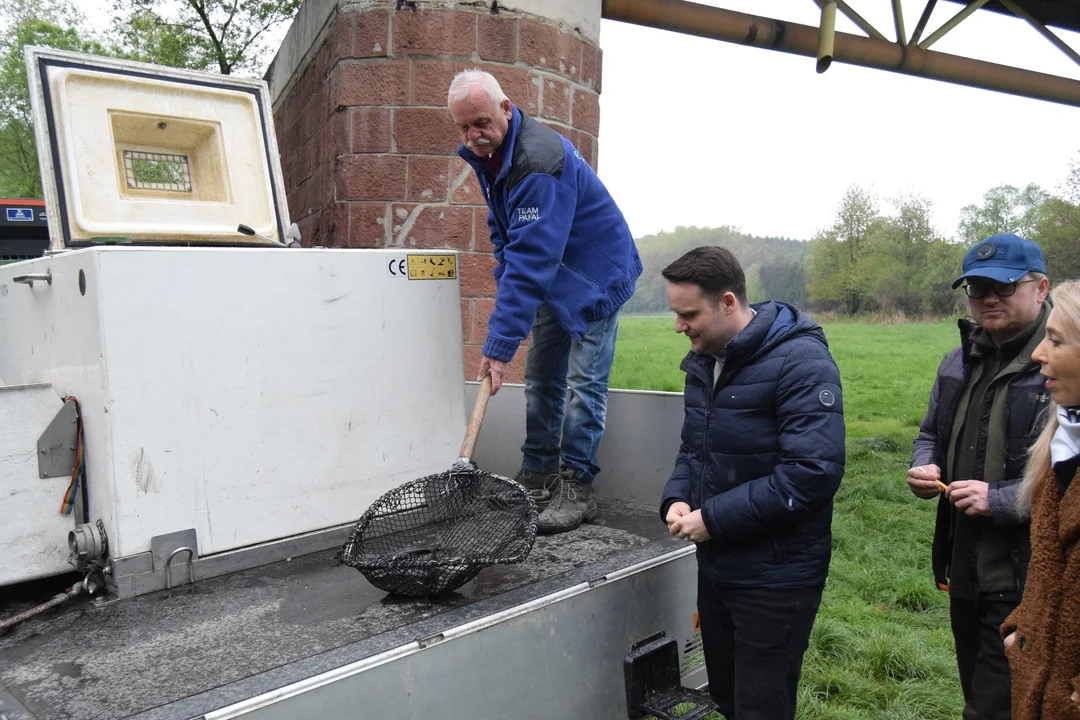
{"x":537,"y":484}
{"x":571,"y":504}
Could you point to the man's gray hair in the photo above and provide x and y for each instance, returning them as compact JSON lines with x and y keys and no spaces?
{"x":466,"y":80}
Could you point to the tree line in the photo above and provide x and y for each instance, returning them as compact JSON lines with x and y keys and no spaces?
{"x":894,"y":261}
{"x":773,"y":266}
{"x":879,"y":258}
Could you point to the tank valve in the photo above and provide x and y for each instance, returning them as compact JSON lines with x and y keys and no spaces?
{"x":87,"y":544}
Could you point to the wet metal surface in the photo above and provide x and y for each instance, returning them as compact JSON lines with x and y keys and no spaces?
{"x":181,"y":654}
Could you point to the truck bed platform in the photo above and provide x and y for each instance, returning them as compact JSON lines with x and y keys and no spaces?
{"x":189,"y":651}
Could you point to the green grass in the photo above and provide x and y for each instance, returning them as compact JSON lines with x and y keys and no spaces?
{"x":881,"y":646}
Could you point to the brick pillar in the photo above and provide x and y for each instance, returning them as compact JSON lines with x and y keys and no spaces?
{"x":367,"y":145}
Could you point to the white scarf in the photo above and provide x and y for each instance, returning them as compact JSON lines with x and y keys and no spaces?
{"x":1066,"y":442}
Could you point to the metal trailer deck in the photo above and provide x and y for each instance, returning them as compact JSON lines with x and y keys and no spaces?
{"x":255,"y":430}
{"x":303,"y":638}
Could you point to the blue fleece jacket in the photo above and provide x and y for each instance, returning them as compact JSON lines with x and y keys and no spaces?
{"x":559,"y":237}
{"x":762,"y":453}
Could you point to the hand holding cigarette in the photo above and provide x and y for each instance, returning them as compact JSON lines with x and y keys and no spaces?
{"x":925,"y":481}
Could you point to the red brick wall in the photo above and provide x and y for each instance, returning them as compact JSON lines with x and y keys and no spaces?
{"x":368,"y":149}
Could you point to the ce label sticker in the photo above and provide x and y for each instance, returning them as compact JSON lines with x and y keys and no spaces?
{"x":396,"y":267}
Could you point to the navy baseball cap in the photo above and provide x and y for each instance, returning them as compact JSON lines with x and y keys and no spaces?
{"x":1004,"y":258}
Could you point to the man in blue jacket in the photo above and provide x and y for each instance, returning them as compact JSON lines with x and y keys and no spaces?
{"x":762,"y":455}
{"x":566,"y":264}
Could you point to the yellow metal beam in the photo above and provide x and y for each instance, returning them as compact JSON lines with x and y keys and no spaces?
{"x":898,"y":21}
{"x":923,"y":19}
{"x":855,"y":17}
{"x":952,"y":22}
{"x":826,"y":36}
{"x":734,"y":27}
{"x":1043,"y":30}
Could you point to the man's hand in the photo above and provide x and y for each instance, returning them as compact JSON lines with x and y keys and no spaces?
{"x":925,"y":481}
{"x":676,"y":511}
{"x":971,"y":496}
{"x":1076,"y":698}
{"x":1010,"y":639}
{"x":497,"y":368}
{"x":690,"y":526}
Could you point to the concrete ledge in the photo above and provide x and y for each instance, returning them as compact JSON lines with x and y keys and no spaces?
{"x":583,"y":16}
{"x":300,"y":44}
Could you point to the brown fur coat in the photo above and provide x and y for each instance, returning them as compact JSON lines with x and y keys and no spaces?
{"x":1045,"y":660}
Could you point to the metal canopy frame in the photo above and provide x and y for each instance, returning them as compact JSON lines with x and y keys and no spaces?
{"x":1012,"y":6}
{"x":898,"y":21}
{"x":901,"y":54}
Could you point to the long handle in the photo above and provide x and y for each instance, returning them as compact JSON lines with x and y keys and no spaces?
{"x":476,"y":420}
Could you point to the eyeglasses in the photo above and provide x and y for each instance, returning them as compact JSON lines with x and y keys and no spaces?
{"x":978,"y":289}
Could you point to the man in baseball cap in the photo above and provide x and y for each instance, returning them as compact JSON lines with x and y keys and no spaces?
{"x":1003,"y":258}
{"x":983,"y":413}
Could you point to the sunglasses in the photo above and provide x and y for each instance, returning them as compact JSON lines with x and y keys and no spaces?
{"x":979,"y":288}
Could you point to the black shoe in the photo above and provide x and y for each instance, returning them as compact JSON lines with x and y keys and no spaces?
{"x":538,"y":484}
{"x":571,"y":504}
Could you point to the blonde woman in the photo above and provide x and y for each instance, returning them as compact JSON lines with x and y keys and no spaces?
{"x":1042,"y":636}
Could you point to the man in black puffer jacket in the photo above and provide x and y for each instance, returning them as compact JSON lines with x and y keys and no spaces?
{"x":762,"y":456}
{"x":986,"y":409}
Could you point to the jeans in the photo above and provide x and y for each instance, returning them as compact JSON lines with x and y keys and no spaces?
{"x":980,"y":656}
{"x":560,"y":434}
{"x":754,"y":640}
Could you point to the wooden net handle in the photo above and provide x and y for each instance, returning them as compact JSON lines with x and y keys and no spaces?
{"x":477,"y":419}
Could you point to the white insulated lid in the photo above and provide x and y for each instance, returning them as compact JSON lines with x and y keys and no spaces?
{"x":140,"y":153}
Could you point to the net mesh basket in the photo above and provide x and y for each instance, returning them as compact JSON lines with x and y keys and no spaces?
{"x":433,"y":535}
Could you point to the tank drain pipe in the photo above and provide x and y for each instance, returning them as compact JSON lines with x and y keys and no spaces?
{"x":57,"y":600}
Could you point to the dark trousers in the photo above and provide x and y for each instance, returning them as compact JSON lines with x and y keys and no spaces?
{"x":980,"y":657}
{"x":754,"y":640}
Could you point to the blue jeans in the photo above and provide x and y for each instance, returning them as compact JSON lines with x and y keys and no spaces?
{"x":560,"y":434}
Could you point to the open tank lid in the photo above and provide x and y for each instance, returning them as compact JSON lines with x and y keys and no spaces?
{"x":140,"y":153}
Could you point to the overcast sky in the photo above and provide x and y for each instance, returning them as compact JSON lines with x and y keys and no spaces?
{"x":700,"y":132}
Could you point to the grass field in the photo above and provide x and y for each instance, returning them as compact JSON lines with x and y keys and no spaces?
{"x":881,"y":646}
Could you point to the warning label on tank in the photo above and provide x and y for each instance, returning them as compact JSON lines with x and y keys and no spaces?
{"x":432,"y":267}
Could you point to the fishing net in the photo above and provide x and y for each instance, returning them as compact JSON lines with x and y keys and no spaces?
{"x":433,"y":535}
